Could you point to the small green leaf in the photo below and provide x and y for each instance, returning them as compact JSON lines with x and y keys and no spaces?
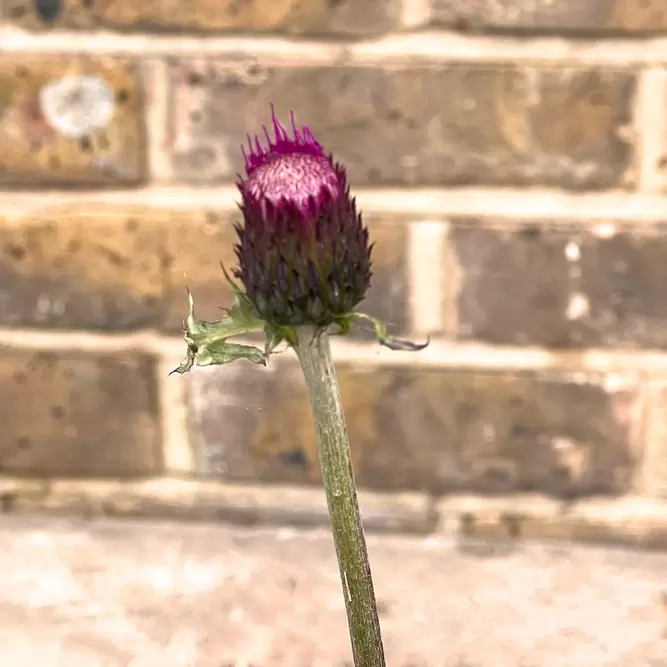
{"x":223,"y":352}
{"x":208,"y":342}
{"x":384,"y":338}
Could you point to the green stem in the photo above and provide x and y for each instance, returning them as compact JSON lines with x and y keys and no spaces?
{"x":314,"y":352}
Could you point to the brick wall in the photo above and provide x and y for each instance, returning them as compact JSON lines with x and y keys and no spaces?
{"x":510,"y":158}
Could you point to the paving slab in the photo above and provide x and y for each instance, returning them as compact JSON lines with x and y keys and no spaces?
{"x":154,"y":594}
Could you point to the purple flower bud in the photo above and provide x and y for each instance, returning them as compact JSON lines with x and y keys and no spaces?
{"x":303,"y":251}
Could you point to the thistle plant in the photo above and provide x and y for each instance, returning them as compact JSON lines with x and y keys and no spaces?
{"x":304,"y":265}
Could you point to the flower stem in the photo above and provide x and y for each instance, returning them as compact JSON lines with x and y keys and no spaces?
{"x":314,"y":352}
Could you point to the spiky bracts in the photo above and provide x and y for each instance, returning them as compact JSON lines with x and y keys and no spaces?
{"x":304,"y":253}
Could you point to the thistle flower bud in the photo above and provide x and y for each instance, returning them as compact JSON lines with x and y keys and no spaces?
{"x":304,"y":258}
{"x":303,"y":252}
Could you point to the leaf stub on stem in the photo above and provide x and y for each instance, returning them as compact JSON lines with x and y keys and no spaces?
{"x":383,"y":336}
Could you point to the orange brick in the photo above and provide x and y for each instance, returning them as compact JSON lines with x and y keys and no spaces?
{"x":112,"y":268}
{"x":119,"y":268}
{"x":83,"y":266}
{"x":349,"y":17}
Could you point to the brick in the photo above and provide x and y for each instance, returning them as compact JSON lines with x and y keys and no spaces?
{"x":38,"y":150}
{"x":454,"y":124}
{"x":73,"y":413}
{"x":314,"y":17}
{"x":547,"y":16}
{"x":388,"y":298}
{"x":438,"y":431}
{"x":195,"y":244}
{"x":112,"y":268}
{"x":84,"y":266}
{"x":122,"y":268}
{"x":627,"y":521}
{"x":559,"y":285}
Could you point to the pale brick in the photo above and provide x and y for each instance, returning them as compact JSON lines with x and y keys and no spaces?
{"x":454,"y":124}
{"x":35,"y":152}
{"x":546,"y":282}
{"x":549,"y":16}
{"x":314,"y":17}
{"x":438,"y":431}
{"x":74,"y":413}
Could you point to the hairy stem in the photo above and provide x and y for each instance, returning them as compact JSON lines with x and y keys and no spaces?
{"x":314,"y":352}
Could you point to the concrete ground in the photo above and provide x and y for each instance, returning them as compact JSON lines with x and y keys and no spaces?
{"x":149,"y":594}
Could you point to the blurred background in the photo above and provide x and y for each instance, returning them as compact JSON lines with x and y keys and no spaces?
{"x":509,"y":158}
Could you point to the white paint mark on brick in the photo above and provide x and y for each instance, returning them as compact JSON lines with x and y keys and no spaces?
{"x":427,"y":269}
{"x":605,"y":230}
{"x":571,"y":455}
{"x":47,"y":307}
{"x":573,"y":252}
{"x":76,"y":106}
{"x":577,"y":307}
{"x":651,"y":129}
